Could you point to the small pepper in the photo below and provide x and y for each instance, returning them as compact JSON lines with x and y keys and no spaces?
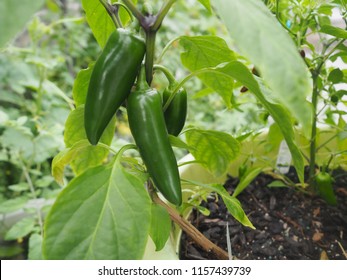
{"x":324,"y":182}
{"x":176,"y":113}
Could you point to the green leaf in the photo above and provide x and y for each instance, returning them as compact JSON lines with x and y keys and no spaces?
{"x":214,"y":150}
{"x":3,"y":117}
{"x":12,"y":205}
{"x":99,"y":21}
{"x":208,"y":51}
{"x":45,"y":146}
{"x":21,"y":229}
{"x":19,"y":140}
{"x":104,"y":214}
{"x":281,"y":116}
{"x":23,"y":186}
{"x":203,"y":210}
{"x":274,"y":137}
{"x":44,"y":182}
{"x":246,"y":179}
{"x":326,"y":9}
{"x":265,"y":43}
{"x":35,"y":247}
{"x":334,"y":31}
{"x":336,"y":76}
{"x":177,"y":142}
{"x":65,"y":157}
{"x":10,"y":251}
{"x":160,"y":226}
{"x":90,"y":156}
{"x":277,"y":184}
{"x":80,"y":87}
{"x":206,"y":4}
{"x":233,"y":205}
{"x":14,"y":16}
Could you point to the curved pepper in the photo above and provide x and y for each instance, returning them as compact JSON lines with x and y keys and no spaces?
{"x":147,"y":125}
{"x":113,"y":76}
{"x":176,"y":113}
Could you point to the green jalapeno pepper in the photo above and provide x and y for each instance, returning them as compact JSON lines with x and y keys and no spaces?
{"x":147,"y":125}
{"x":112,"y":78}
{"x":176,"y":113}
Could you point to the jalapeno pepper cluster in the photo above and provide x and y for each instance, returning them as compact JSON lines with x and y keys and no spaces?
{"x":110,"y":85}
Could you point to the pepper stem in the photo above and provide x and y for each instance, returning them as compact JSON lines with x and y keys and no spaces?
{"x":131,"y":6}
{"x":118,"y":4}
{"x":171,"y":79}
{"x":142,"y":84}
{"x":150,"y":49}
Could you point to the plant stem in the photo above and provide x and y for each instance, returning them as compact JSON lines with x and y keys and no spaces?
{"x":118,"y":4}
{"x":135,"y":11}
{"x":150,"y":49}
{"x":162,"y":14}
{"x":279,"y":19}
{"x":313,"y":142}
{"x":326,"y":142}
{"x":188,"y":162}
{"x":42,"y":74}
{"x":196,"y":235}
{"x":315,"y":94}
{"x":168,"y":45}
{"x":186,"y":79}
{"x":171,"y":79}
{"x":110,"y":11}
{"x":150,"y":25}
{"x":32,"y":190}
{"x":107,"y":147}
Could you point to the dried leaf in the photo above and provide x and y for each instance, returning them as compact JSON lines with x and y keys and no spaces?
{"x":317,"y":236}
{"x":316,"y":212}
{"x":342,"y":191}
{"x":207,"y":221}
{"x":317,"y":224}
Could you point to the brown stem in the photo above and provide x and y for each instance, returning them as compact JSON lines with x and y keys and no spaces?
{"x":191,"y":231}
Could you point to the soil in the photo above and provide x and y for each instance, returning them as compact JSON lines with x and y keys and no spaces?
{"x":290,"y":225}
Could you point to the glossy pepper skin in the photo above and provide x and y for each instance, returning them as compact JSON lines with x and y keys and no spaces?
{"x":176,"y":113}
{"x":112,"y":78}
{"x":147,"y":125}
{"x":324,"y":187}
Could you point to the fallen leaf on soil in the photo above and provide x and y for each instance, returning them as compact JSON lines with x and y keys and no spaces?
{"x":317,"y":236}
{"x":342,"y":191}
{"x":316,"y":212}
{"x":211,"y":220}
{"x":317,"y":224}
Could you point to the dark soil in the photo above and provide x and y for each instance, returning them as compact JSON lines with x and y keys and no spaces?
{"x":289,"y":224}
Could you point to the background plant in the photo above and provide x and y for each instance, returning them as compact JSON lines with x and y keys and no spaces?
{"x":321,"y":45}
{"x":37,"y":72}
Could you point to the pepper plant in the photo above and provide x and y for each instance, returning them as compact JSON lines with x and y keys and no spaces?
{"x":321,"y":45}
{"x":117,"y":200}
